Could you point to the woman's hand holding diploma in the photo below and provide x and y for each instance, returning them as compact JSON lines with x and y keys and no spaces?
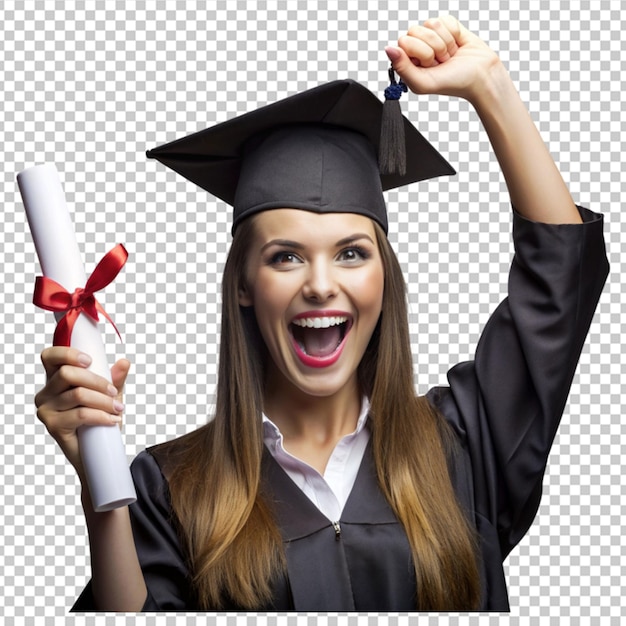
{"x":66,"y":290}
{"x":78,"y":399}
{"x":75,"y":397}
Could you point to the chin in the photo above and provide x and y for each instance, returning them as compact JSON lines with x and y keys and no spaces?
{"x":324,"y":385}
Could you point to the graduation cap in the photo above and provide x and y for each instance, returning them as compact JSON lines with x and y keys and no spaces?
{"x":316,"y":150}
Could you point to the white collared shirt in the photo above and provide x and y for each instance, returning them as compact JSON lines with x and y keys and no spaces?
{"x":330,"y":491}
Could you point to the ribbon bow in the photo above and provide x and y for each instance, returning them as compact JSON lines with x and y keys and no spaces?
{"x":51,"y":296}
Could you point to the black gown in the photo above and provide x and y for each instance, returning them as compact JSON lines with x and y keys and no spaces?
{"x":504,"y":407}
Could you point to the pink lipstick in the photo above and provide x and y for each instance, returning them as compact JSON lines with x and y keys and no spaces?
{"x":318,"y":337}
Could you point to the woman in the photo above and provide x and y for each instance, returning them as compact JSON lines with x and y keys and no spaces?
{"x":323,"y":483}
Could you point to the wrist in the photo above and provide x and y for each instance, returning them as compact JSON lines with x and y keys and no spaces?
{"x":494,"y":92}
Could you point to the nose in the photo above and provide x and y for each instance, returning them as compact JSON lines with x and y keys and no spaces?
{"x":321,"y":284}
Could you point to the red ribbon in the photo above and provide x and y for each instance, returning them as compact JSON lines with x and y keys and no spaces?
{"x":51,"y":296}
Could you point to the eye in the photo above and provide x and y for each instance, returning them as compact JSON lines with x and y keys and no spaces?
{"x":353,"y":254}
{"x":284,"y":258}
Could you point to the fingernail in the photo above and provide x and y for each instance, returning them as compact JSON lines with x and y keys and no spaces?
{"x":84,"y":359}
{"x":112,"y":390}
{"x":393,"y":53}
{"x":118,"y":406}
{"x":116,"y":418}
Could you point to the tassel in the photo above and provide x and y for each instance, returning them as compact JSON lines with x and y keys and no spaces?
{"x":392,"y":147}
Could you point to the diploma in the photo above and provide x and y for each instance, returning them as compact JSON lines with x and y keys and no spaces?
{"x":102,"y":451}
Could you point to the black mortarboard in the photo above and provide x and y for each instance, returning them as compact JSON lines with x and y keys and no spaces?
{"x":316,"y":150}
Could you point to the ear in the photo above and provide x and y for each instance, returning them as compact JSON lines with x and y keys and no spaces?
{"x":245,"y":297}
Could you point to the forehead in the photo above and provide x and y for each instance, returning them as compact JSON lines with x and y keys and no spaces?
{"x":307,"y":226}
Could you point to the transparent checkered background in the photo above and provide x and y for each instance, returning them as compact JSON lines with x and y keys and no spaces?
{"x":90,"y":86}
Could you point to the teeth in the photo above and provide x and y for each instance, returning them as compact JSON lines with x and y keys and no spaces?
{"x":320,"y":322}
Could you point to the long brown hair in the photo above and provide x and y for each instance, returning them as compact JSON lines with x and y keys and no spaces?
{"x":234,"y":545}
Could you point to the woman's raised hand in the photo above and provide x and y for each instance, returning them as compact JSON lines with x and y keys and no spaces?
{"x":442,"y":57}
{"x":73,"y":397}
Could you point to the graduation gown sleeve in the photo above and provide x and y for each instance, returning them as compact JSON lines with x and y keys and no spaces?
{"x":505,"y":406}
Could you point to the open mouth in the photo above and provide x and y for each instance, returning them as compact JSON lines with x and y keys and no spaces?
{"x":318,"y":340}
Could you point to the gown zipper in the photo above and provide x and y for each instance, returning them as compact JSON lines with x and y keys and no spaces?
{"x":337,"y":530}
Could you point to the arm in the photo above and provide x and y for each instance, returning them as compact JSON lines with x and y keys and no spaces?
{"x":73,"y":397}
{"x":443,"y":57}
{"x":117,"y":580}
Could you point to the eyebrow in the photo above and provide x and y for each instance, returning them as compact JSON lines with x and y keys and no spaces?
{"x":353,"y":238}
{"x":296,"y":245}
{"x":283,"y":243}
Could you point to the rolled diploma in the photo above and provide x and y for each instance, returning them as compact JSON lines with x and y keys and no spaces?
{"x":102,"y":451}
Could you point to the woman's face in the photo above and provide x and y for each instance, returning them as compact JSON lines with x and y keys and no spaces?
{"x":316,"y":284}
